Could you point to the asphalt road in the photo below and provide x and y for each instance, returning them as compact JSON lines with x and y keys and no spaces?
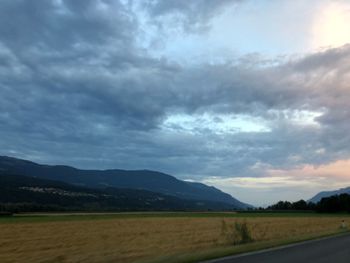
{"x":328,"y":250}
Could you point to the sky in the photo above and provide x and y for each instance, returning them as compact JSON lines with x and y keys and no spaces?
{"x":250,"y":96}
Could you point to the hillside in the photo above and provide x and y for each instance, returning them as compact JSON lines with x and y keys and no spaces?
{"x":25,"y":193}
{"x":323,"y":194}
{"x":141,"y":180}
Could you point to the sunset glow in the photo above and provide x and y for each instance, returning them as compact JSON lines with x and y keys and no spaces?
{"x":331,"y":25}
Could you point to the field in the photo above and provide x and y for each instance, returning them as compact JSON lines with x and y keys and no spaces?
{"x":163,"y":237}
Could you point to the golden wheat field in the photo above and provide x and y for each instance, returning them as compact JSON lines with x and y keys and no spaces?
{"x":142,"y":238}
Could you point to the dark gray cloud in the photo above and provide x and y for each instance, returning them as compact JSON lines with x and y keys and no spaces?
{"x":191,"y":15}
{"x":62,"y":25}
{"x":76,"y":88}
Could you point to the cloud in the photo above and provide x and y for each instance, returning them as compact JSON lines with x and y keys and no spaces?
{"x":264,"y":191}
{"x":286,"y":184}
{"x":77,"y":87}
{"x":191,"y":15}
{"x":337,"y":169}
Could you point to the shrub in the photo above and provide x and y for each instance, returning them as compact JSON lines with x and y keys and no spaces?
{"x":238,"y":233}
{"x":244,"y":235}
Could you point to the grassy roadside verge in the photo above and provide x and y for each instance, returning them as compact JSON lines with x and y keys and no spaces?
{"x":240,"y":249}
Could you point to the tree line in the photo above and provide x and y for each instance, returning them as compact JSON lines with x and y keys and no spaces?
{"x":332,"y":204}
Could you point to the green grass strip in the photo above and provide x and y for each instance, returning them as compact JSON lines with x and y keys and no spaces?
{"x":55,"y":217}
{"x":239,"y":249}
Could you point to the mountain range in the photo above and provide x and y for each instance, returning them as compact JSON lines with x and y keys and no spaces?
{"x":60,"y":181}
{"x":29,"y":194}
{"x":323,"y":194}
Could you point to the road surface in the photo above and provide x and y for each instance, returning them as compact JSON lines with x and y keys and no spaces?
{"x":327,"y":250}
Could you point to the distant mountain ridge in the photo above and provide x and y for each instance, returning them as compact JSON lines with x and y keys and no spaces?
{"x":30,"y":194}
{"x":141,"y":180}
{"x":323,"y":194}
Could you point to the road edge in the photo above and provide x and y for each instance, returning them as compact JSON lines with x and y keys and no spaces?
{"x":278,"y":247}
